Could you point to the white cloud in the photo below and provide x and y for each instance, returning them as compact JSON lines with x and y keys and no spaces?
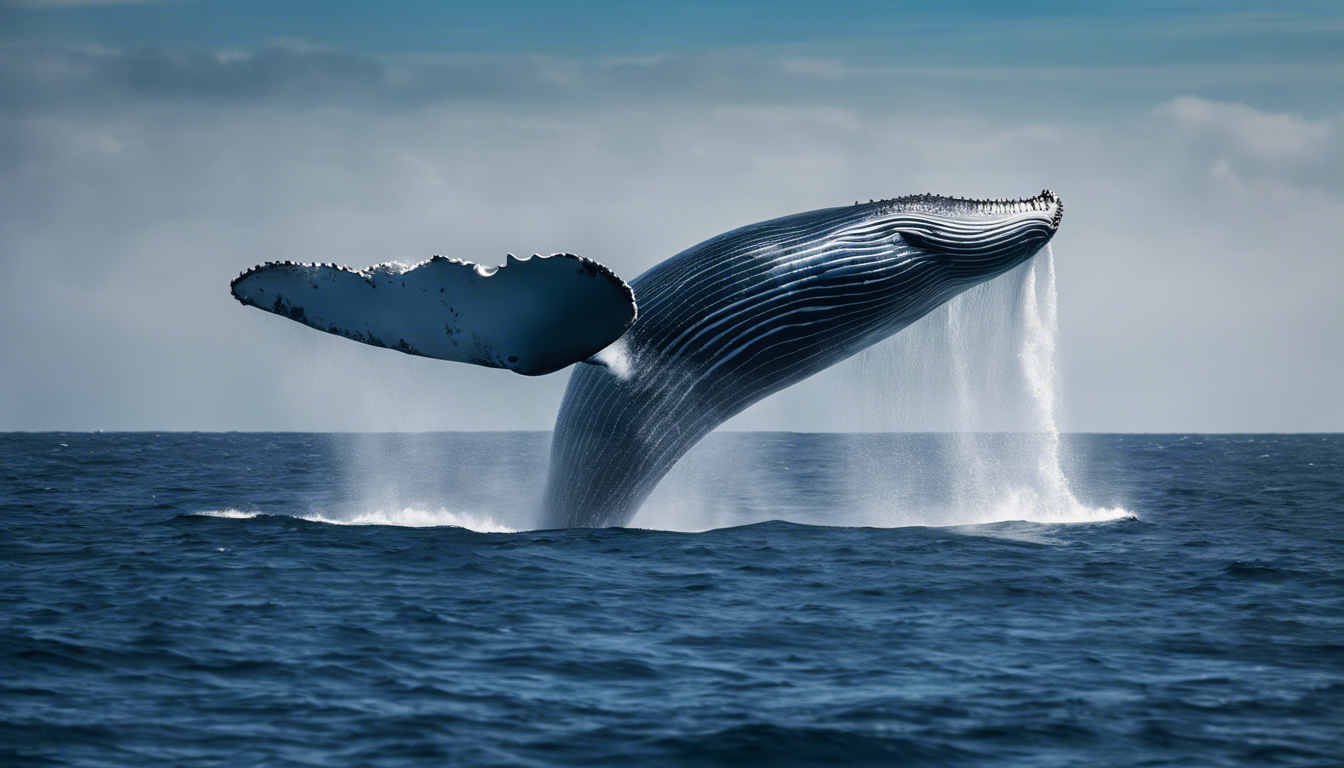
{"x":1270,"y":135}
{"x":1284,"y":155}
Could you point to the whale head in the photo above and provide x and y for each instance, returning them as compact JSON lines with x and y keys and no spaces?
{"x":972,"y":240}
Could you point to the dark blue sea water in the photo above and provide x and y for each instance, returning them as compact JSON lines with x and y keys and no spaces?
{"x":178,"y":599}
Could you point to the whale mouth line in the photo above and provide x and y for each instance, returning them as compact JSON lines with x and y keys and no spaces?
{"x":1046,"y":201}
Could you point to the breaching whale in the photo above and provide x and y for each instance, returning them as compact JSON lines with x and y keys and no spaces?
{"x":686,"y":345}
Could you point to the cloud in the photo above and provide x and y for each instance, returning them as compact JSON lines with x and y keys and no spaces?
{"x":1268,"y":135}
{"x":1237,"y":143}
{"x":50,"y":74}
{"x":294,"y":73}
{"x":1199,"y":270}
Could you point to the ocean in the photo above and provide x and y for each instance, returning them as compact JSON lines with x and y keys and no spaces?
{"x":785,"y":599}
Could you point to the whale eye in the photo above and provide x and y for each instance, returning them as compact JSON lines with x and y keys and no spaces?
{"x":917,"y":239}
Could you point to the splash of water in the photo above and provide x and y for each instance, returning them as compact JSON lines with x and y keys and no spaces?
{"x":997,"y":385}
{"x":616,"y":357}
{"x":972,"y":481}
{"x":1040,"y":367}
{"x":1047,"y":497}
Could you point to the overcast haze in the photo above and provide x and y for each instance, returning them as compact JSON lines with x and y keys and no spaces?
{"x":151,"y":151}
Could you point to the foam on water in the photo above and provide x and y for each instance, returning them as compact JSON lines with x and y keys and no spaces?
{"x":231,"y":514}
{"x":409,"y":517}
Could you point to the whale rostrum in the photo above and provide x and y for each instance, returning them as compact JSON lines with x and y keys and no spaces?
{"x":716,"y":327}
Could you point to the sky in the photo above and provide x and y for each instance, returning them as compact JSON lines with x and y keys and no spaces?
{"x":150,"y":151}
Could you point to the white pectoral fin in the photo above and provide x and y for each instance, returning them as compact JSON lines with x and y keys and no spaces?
{"x":531,"y":316}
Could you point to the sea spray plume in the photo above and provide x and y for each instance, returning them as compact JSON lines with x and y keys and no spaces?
{"x":718,"y":327}
{"x":1040,"y":366}
{"x":1000,"y":375}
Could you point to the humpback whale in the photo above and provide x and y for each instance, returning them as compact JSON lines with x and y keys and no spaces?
{"x":686,"y":345}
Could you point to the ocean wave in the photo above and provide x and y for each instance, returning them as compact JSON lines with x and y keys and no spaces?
{"x":230,"y":514}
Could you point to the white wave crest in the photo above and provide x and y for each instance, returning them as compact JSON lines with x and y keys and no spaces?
{"x":409,"y":517}
{"x":231,"y":514}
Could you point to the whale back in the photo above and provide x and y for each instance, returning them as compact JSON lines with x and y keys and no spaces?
{"x":745,"y":314}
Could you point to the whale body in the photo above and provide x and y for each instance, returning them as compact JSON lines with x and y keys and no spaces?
{"x":686,"y":345}
{"x":737,"y":317}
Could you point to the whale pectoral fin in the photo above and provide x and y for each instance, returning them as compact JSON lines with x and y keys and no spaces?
{"x":532,"y":316}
